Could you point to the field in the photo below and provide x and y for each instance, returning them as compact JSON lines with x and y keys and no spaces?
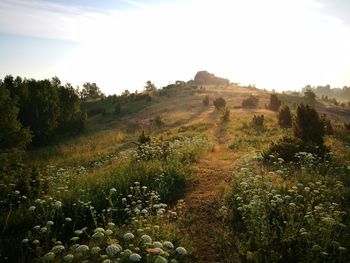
{"x":171,"y":180}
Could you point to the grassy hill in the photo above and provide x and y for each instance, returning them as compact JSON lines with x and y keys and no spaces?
{"x":197,"y":192}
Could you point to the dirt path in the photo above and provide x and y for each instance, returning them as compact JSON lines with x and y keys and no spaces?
{"x":204,"y":199}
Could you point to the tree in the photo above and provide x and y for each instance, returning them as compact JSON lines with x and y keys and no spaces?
{"x":285,"y":117}
{"x":12,"y":133}
{"x":219,"y":103}
{"x":275,"y":103}
{"x":251,"y":102}
{"x":149,"y":87}
{"x":308,"y":127}
{"x":91,"y":91}
{"x":309,"y":95}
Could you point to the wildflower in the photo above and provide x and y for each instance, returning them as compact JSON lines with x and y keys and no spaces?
{"x":98,"y":235}
{"x":36,"y":242}
{"x":68,"y":258}
{"x":316,"y":248}
{"x":112,"y":190}
{"x":78,"y":232}
{"x":113,"y":250}
{"x":181,"y":251}
{"x":111,"y":224}
{"x":108,"y":232}
{"x":25,"y":241}
{"x":134,"y":257}
{"x":95,"y":250}
{"x":146,"y":239}
{"x":74,"y":239}
{"x":168,"y":244}
{"x":81,"y":250}
{"x":341,"y":249}
{"x":128,"y":236}
{"x":57,"y":249}
{"x":49,"y":257}
{"x":107,"y":261}
{"x":161,"y":259}
{"x":157,"y":244}
{"x":49,"y":223}
{"x":32,"y":208}
{"x":43,"y":229}
{"x":68,"y":219}
{"x":58,"y":204}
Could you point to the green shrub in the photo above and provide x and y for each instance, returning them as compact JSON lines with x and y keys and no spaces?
{"x":117,"y":109}
{"x":285,"y":148}
{"x":258,"y":121}
{"x":327,"y":125}
{"x":225,"y":114}
{"x":285,"y":117}
{"x":219,"y":103}
{"x":251,"y":102}
{"x":308,"y":127}
{"x":275,"y":103}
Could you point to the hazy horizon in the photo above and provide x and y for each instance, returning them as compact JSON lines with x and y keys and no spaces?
{"x":281,"y":45}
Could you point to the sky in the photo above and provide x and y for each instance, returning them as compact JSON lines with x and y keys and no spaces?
{"x":120,"y":44}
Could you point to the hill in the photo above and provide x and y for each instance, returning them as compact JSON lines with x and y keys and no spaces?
{"x":162,"y":177}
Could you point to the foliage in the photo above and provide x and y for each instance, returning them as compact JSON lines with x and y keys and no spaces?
{"x":206,"y":100}
{"x":158,"y":121}
{"x":308,"y":127}
{"x":225,"y":114}
{"x":258,"y":121}
{"x":275,"y":103}
{"x":285,"y":117}
{"x":309,"y":95}
{"x":117,"y":109}
{"x":285,"y":148}
{"x":46,"y":108}
{"x":219,"y":103}
{"x":250,"y":102}
{"x":143,"y":138}
{"x":91,"y":91}
{"x":150,"y":87}
{"x":283,"y":222}
{"x":327,"y":125}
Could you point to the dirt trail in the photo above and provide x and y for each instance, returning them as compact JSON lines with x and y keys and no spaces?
{"x":204,"y":199}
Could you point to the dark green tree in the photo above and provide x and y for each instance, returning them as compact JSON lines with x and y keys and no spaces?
{"x":285,"y":117}
{"x":219,"y":103}
{"x":309,"y":95}
{"x":91,"y":91}
{"x":206,"y":101}
{"x":308,"y":127}
{"x":275,"y":103}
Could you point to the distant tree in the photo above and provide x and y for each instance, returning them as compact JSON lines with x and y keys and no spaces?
{"x":91,"y":91}
{"x":149,"y":87}
{"x":285,"y":117}
{"x":275,"y":103}
{"x":219,"y":103}
{"x":309,"y":95}
{"x":206,"y":101}
{"x":250,"y":102}
{"x":126,"y":93}
{"x":308,"y":127}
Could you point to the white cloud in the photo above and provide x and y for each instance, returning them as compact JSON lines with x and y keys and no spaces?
{"x":273,"y":43}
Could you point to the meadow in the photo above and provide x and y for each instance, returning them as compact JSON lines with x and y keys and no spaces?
{"x":166,"y":178}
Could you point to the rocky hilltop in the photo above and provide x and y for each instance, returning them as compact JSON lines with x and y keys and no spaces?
{"x":206,"y":78}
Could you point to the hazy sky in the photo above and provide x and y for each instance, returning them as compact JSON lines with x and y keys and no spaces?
{"x":120,"y":44}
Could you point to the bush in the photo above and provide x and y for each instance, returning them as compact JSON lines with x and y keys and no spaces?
{"x":275,"y":103}
{"x":251,"y":102}
{"x":308,"y":127}
{"x":96,"y":111}
{"x":309,"y":95}
{"x":143,"y":139}
{"x":219,"y":103}
{"x":258,"y":121}
{"x":206,"y":101}
{"x":285,"y":148}
{"x":225,"y":114}
{"x":158,"y":121}
{"x":285,"y":117}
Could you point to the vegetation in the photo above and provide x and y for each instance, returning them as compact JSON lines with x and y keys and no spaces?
{"x":250,"y":102}
{"x":156,"y":177}
{"x":206,"y":101}
{"x":219,"y":103}
{"x":285,"y":117}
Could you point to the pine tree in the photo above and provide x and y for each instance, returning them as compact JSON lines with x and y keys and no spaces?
{"x":285,"y":117}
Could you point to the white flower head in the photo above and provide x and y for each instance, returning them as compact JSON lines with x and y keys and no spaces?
{"x":134,"y":257}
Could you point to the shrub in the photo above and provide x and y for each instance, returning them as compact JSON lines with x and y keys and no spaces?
{"x":225,"y":114}
{"x":143,"y":139}
{"x":327,"y":125}
{"x":258,"y":121}
{"x":219,"y":103}
{"x":275,"y":103}
{"x":206,"y":101}
{"x":251,"y":102}
{"x":308,"y":127}
{"x":158,"y":121}
{"x":96,"y":111}
{"x":285,"y":148}
{"x":285,"y":117}
{"x":309,"y":95}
